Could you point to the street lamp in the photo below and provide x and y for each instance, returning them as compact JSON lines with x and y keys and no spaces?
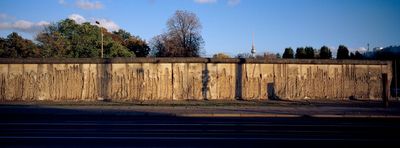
{"x":101,"y":31}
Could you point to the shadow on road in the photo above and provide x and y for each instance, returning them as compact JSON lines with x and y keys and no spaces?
{"x":53,"y":126}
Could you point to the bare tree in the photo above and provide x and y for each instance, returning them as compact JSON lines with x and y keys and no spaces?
{"x":158,"y":46}
{"x":183,"y":38}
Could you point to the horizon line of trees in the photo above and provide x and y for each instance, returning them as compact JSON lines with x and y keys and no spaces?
{"x":63,"y":40}
{"x":324,"y":52}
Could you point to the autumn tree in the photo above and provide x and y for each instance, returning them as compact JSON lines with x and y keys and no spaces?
{"x":134,"y":43}
{"x":137,"y":46}
{"x":14,"y":46}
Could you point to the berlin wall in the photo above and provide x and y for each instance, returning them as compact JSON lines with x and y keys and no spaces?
{"x":130,"y":79}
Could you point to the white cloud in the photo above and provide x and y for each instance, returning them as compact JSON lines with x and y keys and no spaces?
{"x":233,"y":2}
{"x":205,"y":1}
{"x":86,"y":4}
{"x":4,"y":16}
{"x":24,"y":26}
{"x":77,"y":18}
{"x":361,"y":49}
{"x":108,"y":24}
{"x":43,"y":23}
{"x":62,"y":2}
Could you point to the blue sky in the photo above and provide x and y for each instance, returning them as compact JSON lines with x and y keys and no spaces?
{"x":227,"y":24}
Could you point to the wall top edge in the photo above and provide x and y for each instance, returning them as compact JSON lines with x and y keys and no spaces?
{"x":185,"y":60}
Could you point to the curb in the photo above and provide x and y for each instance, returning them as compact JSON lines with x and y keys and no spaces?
{"x":210,"y":115}
{"x":290,"y":116}
{"x":241,"y":115}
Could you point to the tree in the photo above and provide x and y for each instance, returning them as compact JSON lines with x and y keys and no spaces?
{"x":288,"y":54}
{"x":134,"y":43}
{"x":309,"y":52}
{"x":342,"y":52}
{"x":358,"y":55}
{"x":244,"y":55}
{"x":117,"y":50}
{"x":183,"y":38}
{"x":278,"y":56}
{"x":53,"y":44}
{"x":221,"y":56}
{"x":137,"y":46}
{"x":300,"y":53}
{"x":352,"y":56}
{"x":68,"y":39}
{"x":14,"y":46}
{"x":325,"y":53}
{"x":158,"y":46}
{"x":268,"y":55}
{"x":123,"y":34}
{"x":2,"y":46}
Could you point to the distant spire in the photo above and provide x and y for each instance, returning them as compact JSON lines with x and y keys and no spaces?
{"x":253,"y":48}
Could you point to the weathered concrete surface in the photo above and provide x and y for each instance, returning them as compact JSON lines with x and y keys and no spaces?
{"x":198,"y":79}
{"x":307,"y":81}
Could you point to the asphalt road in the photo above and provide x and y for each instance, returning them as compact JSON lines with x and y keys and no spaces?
{"x":26,"y":129}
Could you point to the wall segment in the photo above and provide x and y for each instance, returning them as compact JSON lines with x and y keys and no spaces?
{"x":189,"y":78}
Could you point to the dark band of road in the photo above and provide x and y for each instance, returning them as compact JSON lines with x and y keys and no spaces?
{"x":130,"y":131}
{"x":33,"y":128}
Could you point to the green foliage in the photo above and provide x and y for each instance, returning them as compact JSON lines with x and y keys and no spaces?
{"x":67,"y":39}
{"x":137,"y":46}
{"x":14,"y":46}
{"x":133,"y":43}
{"x":221,"y":56}
{"x":116,"y":50}
{"x":300,"y":53}
{"x":325,"y":53}
{"x":309,"y":53}
{"x":352,"y":56}
{"x":388,"y":53}
{"x":356,"y":55}
{"x":342,"y":52}
{"x":288,"y":54}
{"x":123,"y":34}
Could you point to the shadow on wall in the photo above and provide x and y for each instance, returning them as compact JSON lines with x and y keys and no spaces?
{"x":104,"y":79}
{"x":205,"y":79}
{"x":271,"y":92}
{"x":239,"y":81}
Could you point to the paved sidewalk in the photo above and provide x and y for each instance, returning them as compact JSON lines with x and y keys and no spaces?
{"x":283,"y":109}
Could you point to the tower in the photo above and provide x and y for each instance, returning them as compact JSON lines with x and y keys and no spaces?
{"x":253,"y":48}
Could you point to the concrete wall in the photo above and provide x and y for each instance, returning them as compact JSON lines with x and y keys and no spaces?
{"x":189,"y":78}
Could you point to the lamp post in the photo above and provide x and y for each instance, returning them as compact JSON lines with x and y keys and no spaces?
{"x":101,"y":32}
